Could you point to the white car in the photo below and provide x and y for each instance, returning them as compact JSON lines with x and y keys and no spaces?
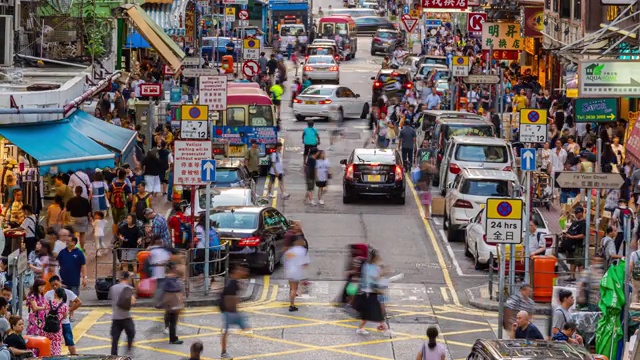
{"x":474,"y":152}
{"x":476,"y":246}
{"x":411,"y":64}
{"x":331,"y":102}
{"x":442,"y":72}
{"x":469,"y":192}
{"x":321,"y":68}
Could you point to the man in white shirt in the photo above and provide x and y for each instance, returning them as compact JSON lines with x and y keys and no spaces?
{"x":472,"y":97}
{"x":276,"y":171}
{"x":537,"y":242}
{"x":558,"y":158}
{"x":135,"y":85}
{"x":73,"y":302}
{"x":80,"y":178}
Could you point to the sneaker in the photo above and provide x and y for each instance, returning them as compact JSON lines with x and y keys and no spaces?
{"x":321,"y":202}
{"x":225,"y":355}
{"x":271,"y":195}
{"x":177,"y":342}
{"x":165,"y":331}
{"x":293,"y":308}
{"x":330,"y":148}
{"x":313,"y":203}
{"x":362,"y":331}
{"x":285,"y":195}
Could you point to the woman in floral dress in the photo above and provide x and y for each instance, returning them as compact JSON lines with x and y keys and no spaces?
{"x":59,"y":302}
{"x":36,"y":306}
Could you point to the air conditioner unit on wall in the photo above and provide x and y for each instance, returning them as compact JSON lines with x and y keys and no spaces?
{"x":6,"y":32}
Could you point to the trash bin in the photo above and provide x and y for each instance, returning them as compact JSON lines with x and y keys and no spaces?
{"x":141,"y":257}
{"x":40,"y":343}
{"x":544,"y":277}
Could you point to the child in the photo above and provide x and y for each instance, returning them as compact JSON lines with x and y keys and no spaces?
{"x":98,"y":230}
{"x":138,"y":175}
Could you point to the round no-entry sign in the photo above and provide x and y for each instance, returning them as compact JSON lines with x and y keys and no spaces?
{"x":250,"y":68}
{"x":243,"y":15}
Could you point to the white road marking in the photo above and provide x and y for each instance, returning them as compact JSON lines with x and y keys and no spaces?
{"x":453,"y":257}
{"x":437,"y":221}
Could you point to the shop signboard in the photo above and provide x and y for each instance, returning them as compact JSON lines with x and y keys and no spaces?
{"x":501,"y":54}
{"x":533,"y":21}
{"x":617,"y":78}
{"x":475,"y":21}
{"x":596,"y":110}
{"x":188,"y":159}
{"x":445,"y":4}
{"x":501,"y":36}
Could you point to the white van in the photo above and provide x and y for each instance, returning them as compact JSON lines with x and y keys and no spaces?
{"x":474,"y":152}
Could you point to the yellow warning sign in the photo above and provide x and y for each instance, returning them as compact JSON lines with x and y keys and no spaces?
{"x":504,"y":209}
{"x":533,"y":116}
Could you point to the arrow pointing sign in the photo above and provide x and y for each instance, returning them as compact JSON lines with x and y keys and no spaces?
{"x":528,"y":156}
{"x":575,"y":180}
{"x":208,"y":172}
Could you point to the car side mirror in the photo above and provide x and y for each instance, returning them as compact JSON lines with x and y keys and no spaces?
{"x":343,"y":162}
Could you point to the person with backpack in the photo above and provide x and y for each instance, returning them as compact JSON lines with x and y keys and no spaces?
{"x":71,"y":301}
{"x":122,"y":299}
{"x":55,"y":311}
{"x":180,"y":228}
{"x":80,"y":178}
{"x":433,"y":350}
{"x":141,"y":201}
{"x":617,"y":222}
{"x":310,"y":139}
{"x":119,"y":194}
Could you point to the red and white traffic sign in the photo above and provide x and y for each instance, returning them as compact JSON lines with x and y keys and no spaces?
{"x":150,"y":90}
{"x":188,"y":156}
{"x":243,"y":15}
{"x":409,"y":22}
{"x":250,"y":68}
{"x":475,"y":21}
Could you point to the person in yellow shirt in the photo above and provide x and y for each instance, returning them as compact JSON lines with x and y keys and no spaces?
{"x":520,"y":101}
{"x":276,"y":95}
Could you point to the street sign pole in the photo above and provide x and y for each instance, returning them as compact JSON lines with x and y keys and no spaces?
{"x":598,"y":192}
{"x":207,"y":225}
{"x":503,"y":249}
{"x":528,"y":218}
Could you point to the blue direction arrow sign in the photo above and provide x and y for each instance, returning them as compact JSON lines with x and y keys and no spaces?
{"x":528,"y":159}
{"x":405,"y":9}
{"x":208,"y":170}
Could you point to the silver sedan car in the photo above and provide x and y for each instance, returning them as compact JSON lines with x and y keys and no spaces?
{"x":321,"y":68}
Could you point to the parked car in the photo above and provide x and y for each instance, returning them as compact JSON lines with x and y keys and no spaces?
{"x":233,"y":173}
{"x":385,"y":41}
{"x":214,"y":48}
{"x":377,"y":172}
{"x":221,"y":197}
{"x":334,"y":102}
{"x":370,"y":24}
{"x":474,"y":152}
{"x":256,"y":234}
{"x":425,"y":71}
{"x":519,"y":349}
{"x":321,"y":68}
{"x":477,"y":247}
{"x":469,"y":192}
{"x":390,"y":82}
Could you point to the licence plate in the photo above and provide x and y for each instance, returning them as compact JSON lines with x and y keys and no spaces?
{"x":373,"y":178}
{"x":236,"y":150}
{"x":310,"y":102}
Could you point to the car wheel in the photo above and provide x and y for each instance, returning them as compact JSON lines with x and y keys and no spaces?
{"x":373,"y":52}
{"x":467,"y":252}
{"x":346,"y":198}
{"x":435,"y":181}
{"x":270,"y":266}
{"x":299,"y":118}
{"x":451,"y":235}
{"x":365,"y":111}
{"x":353,"y":55}
{"x":476,"y":264}
{"x":340,"y":116}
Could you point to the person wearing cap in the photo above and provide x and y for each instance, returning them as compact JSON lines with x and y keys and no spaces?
{"x":121,"y":315}
{"x":159,"y":226}
{"x":617,"y":222}
{"x":576,"y":233}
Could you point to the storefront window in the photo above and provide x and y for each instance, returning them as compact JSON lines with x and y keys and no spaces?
{"x":577,"y":9}
{"x":565,"y":9}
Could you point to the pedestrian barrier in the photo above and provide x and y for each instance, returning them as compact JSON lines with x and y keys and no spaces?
{"x":218,"y":269}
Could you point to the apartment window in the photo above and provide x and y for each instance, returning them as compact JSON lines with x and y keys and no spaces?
{"x":565,"y":9}
{"x":577,"y":9}
{"x":547,"y":4}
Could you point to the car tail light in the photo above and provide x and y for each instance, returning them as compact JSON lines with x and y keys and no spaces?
{"x":297,"y":101}
{"x":454,"y":169}
{"x":408,"y":85}
{"x":507,"y":168}
{"x":349,"y":172}
{"x":308,"y":68}
{"x":306,"y":57}
{"x":270,"y":148}
{"x":217,"y":150}
{"x":324,"y":102}
{"x":337,"y":57}
{"x":394,"y":74}
{"x":377,"y":84}
{"x":347,"y":46}
{"x":377,"y":40}
{"x":250,"y":241}
{"x":398,"y":173}
{"x":462,"y":204}
{"x":333,"y":68}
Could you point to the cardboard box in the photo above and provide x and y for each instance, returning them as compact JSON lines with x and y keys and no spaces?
{"x":437,"y":206}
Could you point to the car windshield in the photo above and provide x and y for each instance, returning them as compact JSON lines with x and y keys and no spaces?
{"x":500,"y":188}
{"x":475,"y":130}
{"x":260,"y":115}
{"x":482,"y":153}
{"x":235,"y":220}
{"x":386,"y":35}
{"x":321,"y":60}
{"x":381,"y":158}
{"x":318,"y":91}
{"x":292,"y":30}
{"x":224,"y":198}
{"x":226,"y":175}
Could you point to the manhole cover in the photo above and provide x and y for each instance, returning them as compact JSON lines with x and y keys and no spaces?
{"x":419,"y":319}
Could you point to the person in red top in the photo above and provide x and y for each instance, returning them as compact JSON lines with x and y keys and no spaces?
{"x":174,"y":223}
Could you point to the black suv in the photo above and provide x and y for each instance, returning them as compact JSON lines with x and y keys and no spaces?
{"x":390,"y":82}
{"x":385,"y":41}
{"x":376,"y":172}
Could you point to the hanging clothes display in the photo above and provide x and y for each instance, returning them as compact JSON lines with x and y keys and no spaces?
{"x":32,"y":187}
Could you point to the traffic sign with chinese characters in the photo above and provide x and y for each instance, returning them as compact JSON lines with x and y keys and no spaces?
{"x":575,"y":180}
{"x":533,"y":126}
{"x":230,"y":14}
{"x":213,"y":92}
{"x":195,"y":122}
{"x":251,"y":49}
{"x":188,"y":161}
{"x":504,"y":221}
{"x":460,"y":65}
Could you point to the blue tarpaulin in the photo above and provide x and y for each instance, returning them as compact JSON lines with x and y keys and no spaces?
{"x":115,"y":137}
{"x":136,"y":41}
